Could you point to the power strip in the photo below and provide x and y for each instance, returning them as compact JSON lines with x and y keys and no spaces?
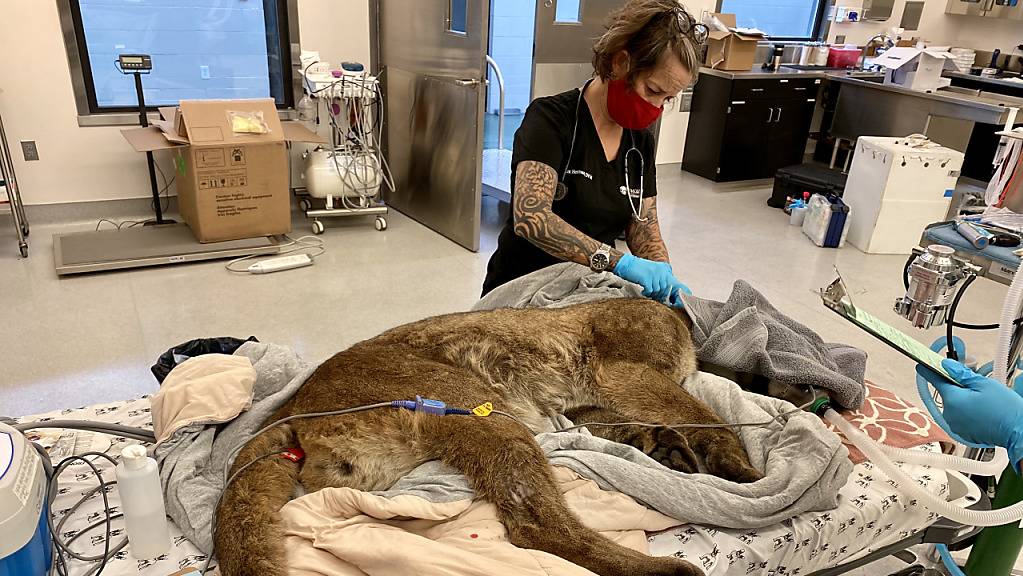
{"x":282,"y":263}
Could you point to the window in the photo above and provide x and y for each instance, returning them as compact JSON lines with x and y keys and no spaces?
{"x":780,"y":19}
{"x":200,"y":49}
{"x":457,"y":15}
{"x":568,"y":12}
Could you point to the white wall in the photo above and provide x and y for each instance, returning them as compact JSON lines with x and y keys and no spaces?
{"x":671,"y":140}
{"x":87,"y":164}
{"x":937,"y":28}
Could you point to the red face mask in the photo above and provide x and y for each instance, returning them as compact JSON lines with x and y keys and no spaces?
{"x":628,"y":108}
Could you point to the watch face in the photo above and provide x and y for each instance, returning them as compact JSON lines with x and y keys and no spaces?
{"x":599,"y":261}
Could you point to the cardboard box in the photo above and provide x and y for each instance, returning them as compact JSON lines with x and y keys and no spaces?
{"x":230,"y":185}
{"x":732,"y":50}
{"x":915,"y":68}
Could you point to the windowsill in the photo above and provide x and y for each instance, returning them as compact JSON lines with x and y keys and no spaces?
{"x":132,"y":118}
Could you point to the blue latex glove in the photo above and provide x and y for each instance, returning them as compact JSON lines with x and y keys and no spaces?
{"x":656,"y":278}
{"x":982,"y":411}
{"x":677,"y":290}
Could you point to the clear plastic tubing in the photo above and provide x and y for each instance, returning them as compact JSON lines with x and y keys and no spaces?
{"x":878,"y":455}
{"x":1009,"y":310}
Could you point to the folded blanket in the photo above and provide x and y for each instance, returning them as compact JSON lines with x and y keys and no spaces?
{"x":745,"y":333}
{"x":345,"y":532}
{"x":192,"y":460}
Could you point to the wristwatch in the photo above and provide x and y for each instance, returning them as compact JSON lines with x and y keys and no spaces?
{"x":601,"y":259}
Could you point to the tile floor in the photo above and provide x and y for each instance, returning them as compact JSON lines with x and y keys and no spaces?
{"x":88,"y":339}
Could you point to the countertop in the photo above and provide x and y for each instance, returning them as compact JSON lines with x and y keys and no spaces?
{"x":994,"y":81}
{"x":782,"y":73}
{"x":988,"y":102}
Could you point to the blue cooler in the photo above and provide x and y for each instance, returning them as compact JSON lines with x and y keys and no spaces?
{"x":25,"y":548}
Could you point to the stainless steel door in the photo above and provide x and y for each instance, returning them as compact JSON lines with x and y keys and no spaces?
{"x":432,"y":55}
{"x":563,"y":46}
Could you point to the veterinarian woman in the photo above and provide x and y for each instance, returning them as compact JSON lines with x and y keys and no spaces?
{"x":583,"y":160}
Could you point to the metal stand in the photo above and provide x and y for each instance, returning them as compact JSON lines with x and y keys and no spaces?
{"x":144,"y":121}
{"x":9,"y":181}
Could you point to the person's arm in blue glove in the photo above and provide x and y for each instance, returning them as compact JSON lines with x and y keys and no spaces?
{"x":656,"y":278}
{"x":644,"y":240}
{"x":982,"y":410}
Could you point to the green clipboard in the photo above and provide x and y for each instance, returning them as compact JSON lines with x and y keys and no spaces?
{"x":836,"y":298}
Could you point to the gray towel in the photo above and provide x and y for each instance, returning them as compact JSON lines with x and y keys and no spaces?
{"x":745,"y":333}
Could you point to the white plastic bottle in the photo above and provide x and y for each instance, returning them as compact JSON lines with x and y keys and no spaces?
{"x":145,"y":519}
{"x":307,"y":111}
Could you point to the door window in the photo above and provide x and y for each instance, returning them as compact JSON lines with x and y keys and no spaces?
{"x":568,"y":12}
{"x":457,"y":10}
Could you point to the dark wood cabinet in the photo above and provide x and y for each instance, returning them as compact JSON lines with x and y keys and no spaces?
{"x":745,"y":129}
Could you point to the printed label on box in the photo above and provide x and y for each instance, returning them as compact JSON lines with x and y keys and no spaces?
{"x":210,"y":158}
{"x":230,"y":204}
{"x":215,"y":179}
{"x":237,"y":156}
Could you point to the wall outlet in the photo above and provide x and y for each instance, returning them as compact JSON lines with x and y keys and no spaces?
{"x":28,"y":148}
{"x":204,"y":72}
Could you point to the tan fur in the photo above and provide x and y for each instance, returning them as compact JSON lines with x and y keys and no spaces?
{"x":616,"y":359}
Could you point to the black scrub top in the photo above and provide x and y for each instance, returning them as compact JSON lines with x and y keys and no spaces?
{"x":595,"y":202}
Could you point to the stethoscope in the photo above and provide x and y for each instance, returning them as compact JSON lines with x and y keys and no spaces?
{"x":562,"y":190}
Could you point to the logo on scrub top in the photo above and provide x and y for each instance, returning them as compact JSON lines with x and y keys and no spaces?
{"x":634,"y":193}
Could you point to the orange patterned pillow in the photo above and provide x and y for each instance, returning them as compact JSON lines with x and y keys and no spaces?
{"x":888,"y":419}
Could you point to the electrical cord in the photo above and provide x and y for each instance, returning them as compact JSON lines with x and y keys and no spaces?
{"x":303,"y":243}
{"x":163,"y":191}
{"x":905,"y":271}
{"x":950,"y":322}
{"x":63,"y":549}
{"x":165,"y":206}
{"x":140,"y":434}
{"x":62,"y":552}
{"x":121,"y":224}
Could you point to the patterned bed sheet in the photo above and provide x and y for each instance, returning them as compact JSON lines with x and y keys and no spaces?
{"x":871,"y":515}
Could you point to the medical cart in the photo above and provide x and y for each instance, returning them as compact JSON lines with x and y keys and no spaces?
{"x":347,"y":178}
{"x":9,"y":185}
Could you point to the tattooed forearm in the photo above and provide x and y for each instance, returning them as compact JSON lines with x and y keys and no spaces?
{"x":644,"y":238}
{"x":535,"y":183}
